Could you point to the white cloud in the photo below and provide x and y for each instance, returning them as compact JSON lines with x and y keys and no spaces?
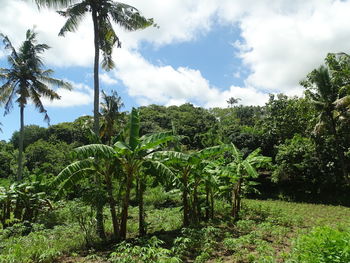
{"x":107,"y":79}
{"x":174,"y":86}
{"x":80,"y":95}
{"x":284,"y":40}
{"x":281,"y":42}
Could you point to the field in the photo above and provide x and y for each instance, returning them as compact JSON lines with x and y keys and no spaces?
{"x":267,"y":232}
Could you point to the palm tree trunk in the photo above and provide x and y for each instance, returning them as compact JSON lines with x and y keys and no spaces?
{"x":20,"y":148}
{"x":99,"y":208}
{"x":96,"y":69}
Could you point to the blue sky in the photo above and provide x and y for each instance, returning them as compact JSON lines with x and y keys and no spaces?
{"x":203,"y":52}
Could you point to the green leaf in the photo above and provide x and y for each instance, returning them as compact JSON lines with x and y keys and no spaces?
{"x":171,"y":156}
{"x":70,"y":171}
{"x":153,"y":140}
{"x":250,"y":169}
{"x":95,"y":150}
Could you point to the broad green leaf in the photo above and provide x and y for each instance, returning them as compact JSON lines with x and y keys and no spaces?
{"x":153,"y":140}
{"x":208,"y":152}
{"x":70,"y":171}
{"x":236,"y":153}
{"x":122,"y":149}
{"x":250,"y":169}
{"x":95,"y":150}
{"x":171,"y":156}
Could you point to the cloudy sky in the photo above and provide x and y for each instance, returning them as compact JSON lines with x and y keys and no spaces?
{"x":203,"y":52}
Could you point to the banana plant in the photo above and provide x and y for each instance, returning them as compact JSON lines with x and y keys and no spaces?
{"x":128,"y":156}
{"x":185,"y":165}
{"x":239,"y":173}
{"x":23,"y":200}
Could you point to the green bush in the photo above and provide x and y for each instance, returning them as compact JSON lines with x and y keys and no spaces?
{"x":323,"y":245}
{"x":41,"y":246}
{"x":146,"y":251}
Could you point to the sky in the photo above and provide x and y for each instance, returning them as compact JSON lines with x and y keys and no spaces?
{"x":202,"y":52}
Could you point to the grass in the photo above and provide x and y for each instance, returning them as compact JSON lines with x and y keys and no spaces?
{"x":268,"y":232}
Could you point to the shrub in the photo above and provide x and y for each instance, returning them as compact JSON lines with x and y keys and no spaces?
{"x":146,"y":251}
{"x":323,"y":245}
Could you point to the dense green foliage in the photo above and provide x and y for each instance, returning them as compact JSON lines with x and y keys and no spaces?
{"x":166,"y":184}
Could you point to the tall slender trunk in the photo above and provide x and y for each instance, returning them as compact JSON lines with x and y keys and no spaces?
{"x":123,"y":224}
{"x":96,"y":69}
{"x":186,"y":221}
{"x":112,"y":207}
{"x":20,"y":145}
{"x":99,"y":208}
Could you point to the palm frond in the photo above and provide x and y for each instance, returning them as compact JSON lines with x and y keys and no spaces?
{"x":53,"y":3}
{"x":128,"y":17}
{"x":55,"y":82}
{"x":75,"y":15}
{"x":108,"y":39}
{"x":38,"y":104}
{"x":8,"y":45}
{"x":7,"y":94}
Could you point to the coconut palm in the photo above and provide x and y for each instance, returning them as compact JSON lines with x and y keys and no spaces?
{"x":28,"y":81}
{"x":103,"y":12}
{"x":110,"y":112}
{"x":323,"y":89}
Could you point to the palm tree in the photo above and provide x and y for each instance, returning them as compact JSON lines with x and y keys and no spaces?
{"x":105,"y":38}
{"x":323,"y":90}
{"x":27,"y":80}
{"x":110,"y":111}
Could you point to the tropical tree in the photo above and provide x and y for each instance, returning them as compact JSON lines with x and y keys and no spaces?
{"x":28,"y":81}
{"x":188,"y":166}
{"x":110,"y":112}
{"x":103,"y":12}
{"x":239,"y":173}
{"x":130,"y":156}
{"x":323,"y":88}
